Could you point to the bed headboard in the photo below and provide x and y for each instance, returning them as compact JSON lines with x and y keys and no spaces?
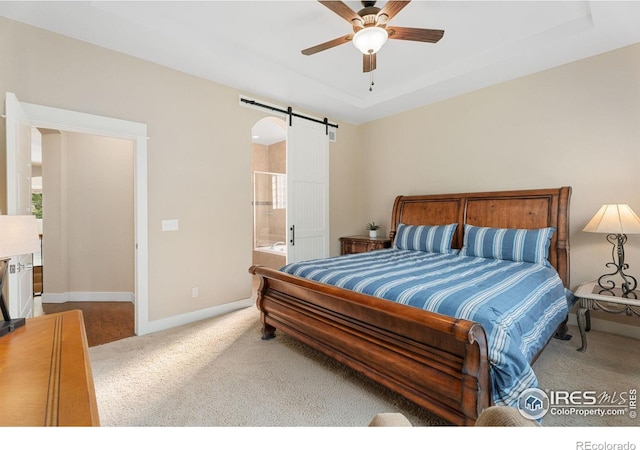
{"x":536,"y":208}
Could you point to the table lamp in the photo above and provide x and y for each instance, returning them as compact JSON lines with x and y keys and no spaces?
{"x":18,"y":236}
{"x":616,"y":221}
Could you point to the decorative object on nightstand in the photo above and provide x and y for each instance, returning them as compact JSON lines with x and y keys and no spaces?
{"x":18,"y":236}
{"x":616,"y":221}
{"x":373,"y":229}
{"x":592,"y":298}
{"x":361,"y":244}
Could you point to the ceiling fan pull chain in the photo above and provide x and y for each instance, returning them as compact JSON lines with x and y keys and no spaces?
{"x":371,"y":71}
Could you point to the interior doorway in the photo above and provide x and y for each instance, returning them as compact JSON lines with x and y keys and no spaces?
{"x":58,"y":119}
{"x":269,"y":178}
{"x":87,"y":211}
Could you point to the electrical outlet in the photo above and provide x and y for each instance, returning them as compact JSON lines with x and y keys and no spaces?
{"x":194,"y":292}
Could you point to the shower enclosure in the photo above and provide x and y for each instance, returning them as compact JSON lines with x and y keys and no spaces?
{"x":270,"y":214}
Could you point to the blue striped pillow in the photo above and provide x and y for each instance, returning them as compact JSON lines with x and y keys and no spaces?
{"x":425,"y":238}
{"x":508,"y":243}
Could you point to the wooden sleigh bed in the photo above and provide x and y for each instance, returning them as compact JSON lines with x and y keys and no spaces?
{"x":439,"y":362}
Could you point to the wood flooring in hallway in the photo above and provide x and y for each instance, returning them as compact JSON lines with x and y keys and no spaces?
{"x":104,"y":321}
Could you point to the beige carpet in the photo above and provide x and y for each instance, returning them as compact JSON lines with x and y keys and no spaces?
{"x":610,"y":366}
{"x":218,"y":372}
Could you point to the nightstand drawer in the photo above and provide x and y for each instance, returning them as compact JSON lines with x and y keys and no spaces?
{"x":361,"y":244}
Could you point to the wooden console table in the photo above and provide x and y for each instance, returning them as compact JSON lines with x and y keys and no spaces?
{"x":45,"y":374}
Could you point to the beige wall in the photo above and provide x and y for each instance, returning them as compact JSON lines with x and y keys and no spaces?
{"x":88,"y":243}
{"x":278,"y":157}
{"x":199,"y":158}
{"x":54,"y":245}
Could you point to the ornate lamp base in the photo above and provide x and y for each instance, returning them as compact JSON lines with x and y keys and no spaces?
{"x":629,"y":283}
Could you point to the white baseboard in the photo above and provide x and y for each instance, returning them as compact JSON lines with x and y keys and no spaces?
{"x":606,"y":326}
{"x":201,"y":314}
{"x":156,"y":325}
{"x":88,"y":297}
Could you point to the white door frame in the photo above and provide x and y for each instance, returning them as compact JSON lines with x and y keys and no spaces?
{"x":64,"y":120}
{"x":18,"y":160}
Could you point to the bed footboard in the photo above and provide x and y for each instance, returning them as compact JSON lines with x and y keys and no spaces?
{"x":438,"y":362}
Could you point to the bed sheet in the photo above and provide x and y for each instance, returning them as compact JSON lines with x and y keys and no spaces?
{"x":519,"y":304}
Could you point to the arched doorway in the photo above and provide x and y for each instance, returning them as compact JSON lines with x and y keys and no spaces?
{"x":269,"y":178}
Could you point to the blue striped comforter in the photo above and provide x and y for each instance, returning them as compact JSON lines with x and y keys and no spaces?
{"x":519,"y":304}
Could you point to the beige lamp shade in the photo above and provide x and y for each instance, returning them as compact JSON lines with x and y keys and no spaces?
{"x":18,"y":236}
{"x":614,"y":219}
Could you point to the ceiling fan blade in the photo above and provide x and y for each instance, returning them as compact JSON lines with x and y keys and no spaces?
{"x":369,"y":62}
{"x":343,"y":11}
{"x":327,"y":45}
{"x":390,"y":9}
{"x":415,"y":34}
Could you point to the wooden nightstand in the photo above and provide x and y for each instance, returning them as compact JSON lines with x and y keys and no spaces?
{"x":361,"y":244}
{"x":590,"y":298}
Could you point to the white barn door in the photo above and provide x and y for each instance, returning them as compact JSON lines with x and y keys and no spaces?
{"x":307,"y":191}
{"x":20,"y":275}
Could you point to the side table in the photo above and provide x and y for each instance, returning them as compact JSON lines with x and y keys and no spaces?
{"x":361,"y":244}
{"x":592,"y":297}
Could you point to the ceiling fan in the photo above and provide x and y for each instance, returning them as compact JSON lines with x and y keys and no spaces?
{"x":370,"y":30}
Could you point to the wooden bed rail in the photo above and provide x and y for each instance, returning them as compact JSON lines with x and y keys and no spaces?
{"x":438,"y":362}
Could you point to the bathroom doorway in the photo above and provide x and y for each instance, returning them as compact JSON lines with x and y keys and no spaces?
{"x":298,"y":152}
{"x":269,"y":177}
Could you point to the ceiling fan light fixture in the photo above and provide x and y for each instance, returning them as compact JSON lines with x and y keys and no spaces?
{"x":370,"y":39}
